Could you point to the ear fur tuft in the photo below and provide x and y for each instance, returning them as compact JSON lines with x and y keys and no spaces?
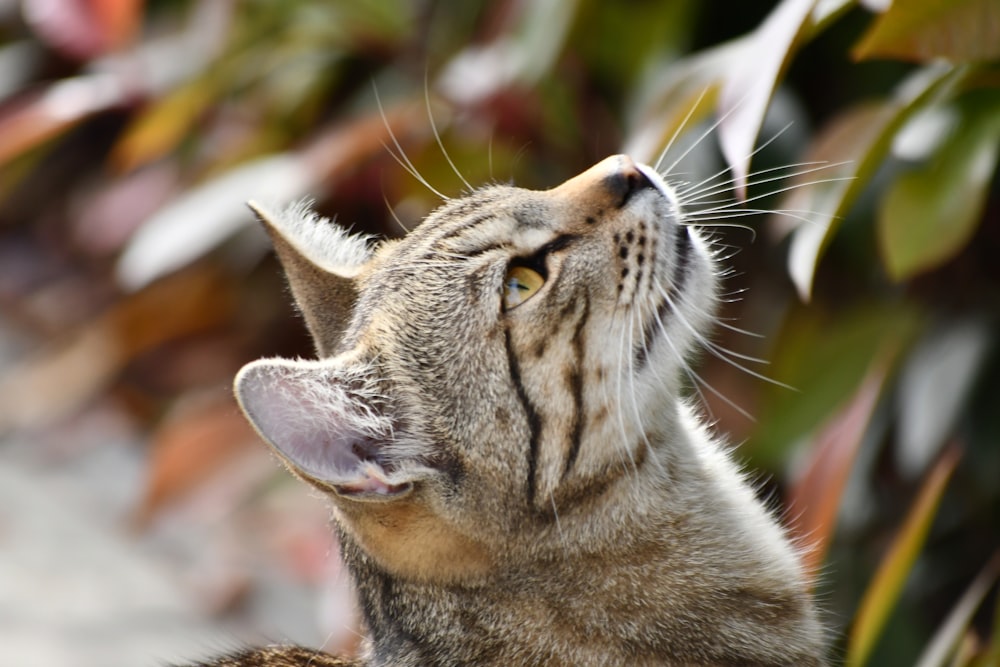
{"x":321,"y":261}
{"x":320,"y":240}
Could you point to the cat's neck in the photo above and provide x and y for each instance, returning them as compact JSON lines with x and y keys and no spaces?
{"x":696,"y":571}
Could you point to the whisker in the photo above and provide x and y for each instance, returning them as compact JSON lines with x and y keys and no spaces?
{"x":437,"y":135}
{"x":697,"y":382}
{"x":620,"y":402}
{"x":555,"y":513}
{"x":677,"y":131}
{"x":401,"y":158}
{"x":711,"y":222}
{"x":701,"y":192}
{"x":759,"y":148}
{"x":780,"y":172}
{"x":725,"y":399}
{"x":714,"y":126}
{"x":392,"y":212}
{"x":722,"y":323}
{"x":715,"y":350}
{"x":650,"y":452}
{"x":796,"y":186}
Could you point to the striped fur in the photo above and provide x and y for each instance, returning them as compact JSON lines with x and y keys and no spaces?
{"x":527,"y":486}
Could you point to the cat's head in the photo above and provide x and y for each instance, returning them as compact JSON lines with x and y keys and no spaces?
{"x":503,"y":368}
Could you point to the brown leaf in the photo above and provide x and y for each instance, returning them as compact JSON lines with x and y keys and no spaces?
{"x":39,"y":116}
{"x":192,"y":444}
{"x":61,"y":379}
{"x":927,"y":30}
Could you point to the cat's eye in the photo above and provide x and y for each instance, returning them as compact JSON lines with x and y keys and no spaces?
{"x":519,"y":285}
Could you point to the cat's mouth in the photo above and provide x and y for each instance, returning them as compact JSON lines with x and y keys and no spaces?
{"x":370,"y":487}
{"x":372,"y":473}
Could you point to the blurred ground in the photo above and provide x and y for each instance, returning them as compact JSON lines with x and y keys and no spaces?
{"x":86,"y":580}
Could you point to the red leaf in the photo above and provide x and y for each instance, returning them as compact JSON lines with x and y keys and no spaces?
{"x":83,"y":29}
{"x":815,"y":498}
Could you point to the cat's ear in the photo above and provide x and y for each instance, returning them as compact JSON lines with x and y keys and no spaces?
{"x":325,"y":425}
{"x":321,"y":261}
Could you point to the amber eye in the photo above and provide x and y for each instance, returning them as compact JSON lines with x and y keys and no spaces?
{"x":519,"y":285}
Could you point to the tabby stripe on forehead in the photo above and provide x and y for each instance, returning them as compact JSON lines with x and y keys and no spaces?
{"x":439,"y":244}
{"x":530,"y":414}
{"x":576,"y":388}
{"x":464,"y":226}
{"x":482,"y":250}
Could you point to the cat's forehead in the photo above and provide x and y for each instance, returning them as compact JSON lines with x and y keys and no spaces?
{"x":496,"y":209}
{"x":467,"y":229}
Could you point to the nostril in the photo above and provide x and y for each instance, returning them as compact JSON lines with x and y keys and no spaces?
{"x":624,"y":183}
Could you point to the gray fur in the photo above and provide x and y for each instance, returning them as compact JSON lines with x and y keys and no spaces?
{"x":527,"y":487}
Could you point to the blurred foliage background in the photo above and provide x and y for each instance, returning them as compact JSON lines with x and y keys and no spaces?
{"x":134,"y":283}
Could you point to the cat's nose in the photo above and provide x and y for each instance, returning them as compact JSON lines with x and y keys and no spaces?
{"x":609,"y":184}
{"x":625,"y":179}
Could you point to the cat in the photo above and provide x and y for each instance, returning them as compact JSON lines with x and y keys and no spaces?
{"x":497,"y":416}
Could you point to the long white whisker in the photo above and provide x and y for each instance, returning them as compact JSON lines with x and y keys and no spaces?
{"x":796,"y":186}
{"x":715,"y":350}
{"x":711,"y":219}
{"x":401,"y":158}
{"x":677,"y":131}
{"x":696,"y":380}
{"x":711,"y":222}
{"x":395,"y":217}
{"x":650,"y":452}
{"x":722,"y":323}
{"x":437,"y":135}
{"x":714,"y":126}
{"x":620,"y":402}
{"x":722,"y":397}
{"x":555,"y":513}
{"x":711,"y":192}
{"x":709,"y":188}
{"x":759,"y":148}
{"x":607,"y":396}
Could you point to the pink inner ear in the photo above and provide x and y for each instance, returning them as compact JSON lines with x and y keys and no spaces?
{"x":303,"y":411}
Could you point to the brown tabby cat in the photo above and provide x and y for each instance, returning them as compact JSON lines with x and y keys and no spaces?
{"x":497,"y":418}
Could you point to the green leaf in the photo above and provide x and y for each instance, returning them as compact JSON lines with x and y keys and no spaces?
{"x":883,"y":592}
{"x":855,"y":143}
{"x":926,"y":30}
{"x":163,"y":124}
{"x":825,"y":357}
{"x":930,"y":213}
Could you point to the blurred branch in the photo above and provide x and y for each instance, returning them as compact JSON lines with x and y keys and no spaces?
{"x":950,"y":633}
